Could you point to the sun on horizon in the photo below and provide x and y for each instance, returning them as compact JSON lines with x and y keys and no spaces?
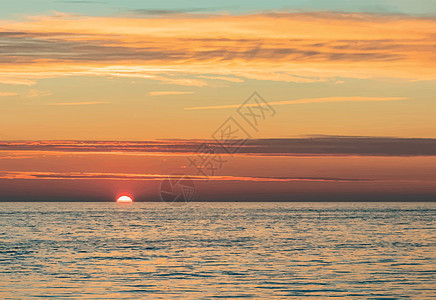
{"x":124,"y":199}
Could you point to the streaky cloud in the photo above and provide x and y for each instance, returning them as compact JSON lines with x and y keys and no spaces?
{"x":75,"y":103}
{"x":124,"y":176}
{"x":305,"y":101}
{"x":306,"y":146}
{"x":280,"y":46}
{"x":166,"y":93}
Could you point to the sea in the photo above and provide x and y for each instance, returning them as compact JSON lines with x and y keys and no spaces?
{"x":217,"y":251}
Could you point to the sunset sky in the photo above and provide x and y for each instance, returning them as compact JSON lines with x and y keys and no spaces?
{"x":348,"y":84}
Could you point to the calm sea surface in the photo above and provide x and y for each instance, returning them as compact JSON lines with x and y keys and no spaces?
{"x":220,"y":250}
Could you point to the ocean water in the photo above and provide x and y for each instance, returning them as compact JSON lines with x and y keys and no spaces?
{"x":218,"y":250}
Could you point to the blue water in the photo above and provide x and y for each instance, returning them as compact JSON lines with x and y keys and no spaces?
{"x":219,"y":250}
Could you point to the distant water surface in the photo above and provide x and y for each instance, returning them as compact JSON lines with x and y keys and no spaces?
{"x":217,"y":250}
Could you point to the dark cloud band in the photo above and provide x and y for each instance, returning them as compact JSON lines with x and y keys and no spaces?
{"x":319,"y":145}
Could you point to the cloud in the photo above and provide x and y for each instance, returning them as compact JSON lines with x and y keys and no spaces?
{"x":81,"y":2}
{"x":164,"y":93}
{"x":231,"y":79}
{"x":162,"y":12}
{"x":7,"y":94}
{"x":33,"y":93}
{"x":159,"y":12}
{"x":305,"y":101}
{"x":159,"y":177}
{"x":308,"y":146}
{"x":18,"y":157}
{"x":180,"y":81}
{"x":186,"y":49}
{"x":17,"y":81}
{"x":75,"y":103}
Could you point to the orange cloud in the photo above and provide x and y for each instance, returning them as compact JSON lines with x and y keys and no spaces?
{"x":124,"y":176}
{"x":308,"y":146}
{"x":33,"y":93}
{"x":74,"y":103}
{"x":231,"y":79}
{"x":292,"y":47}
{"x":165,"y":93}
{"x":7,"y":94}
{"x":304,"y":101}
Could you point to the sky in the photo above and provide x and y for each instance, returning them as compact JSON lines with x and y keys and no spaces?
{"x":310,"y":76}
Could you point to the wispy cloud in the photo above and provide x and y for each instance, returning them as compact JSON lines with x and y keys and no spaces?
{"x":160,"y":12}
{"x":7,"y":94}
{"x":125,"y":176}
{"x":165,"y":93}
{"x":34,"y":93}
{"x":75,"y":103}
{"x":308,"y":146}
{"x":283,"y":46}
{"x":225,"y":78}
{"x":16,"y":81}
{"x":305,"y":101}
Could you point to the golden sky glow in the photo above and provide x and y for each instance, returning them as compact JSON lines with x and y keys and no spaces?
{"x":290,"y":47}
{"x":173,"y":78}
{"x":372,"y":73}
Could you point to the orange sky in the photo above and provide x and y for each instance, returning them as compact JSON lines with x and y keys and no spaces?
{"x":312,"y":169}
{"x":135,"y":77}
{"x":69,"y":76}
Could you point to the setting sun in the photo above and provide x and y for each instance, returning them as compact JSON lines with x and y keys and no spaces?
{"x":124,"y":199}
